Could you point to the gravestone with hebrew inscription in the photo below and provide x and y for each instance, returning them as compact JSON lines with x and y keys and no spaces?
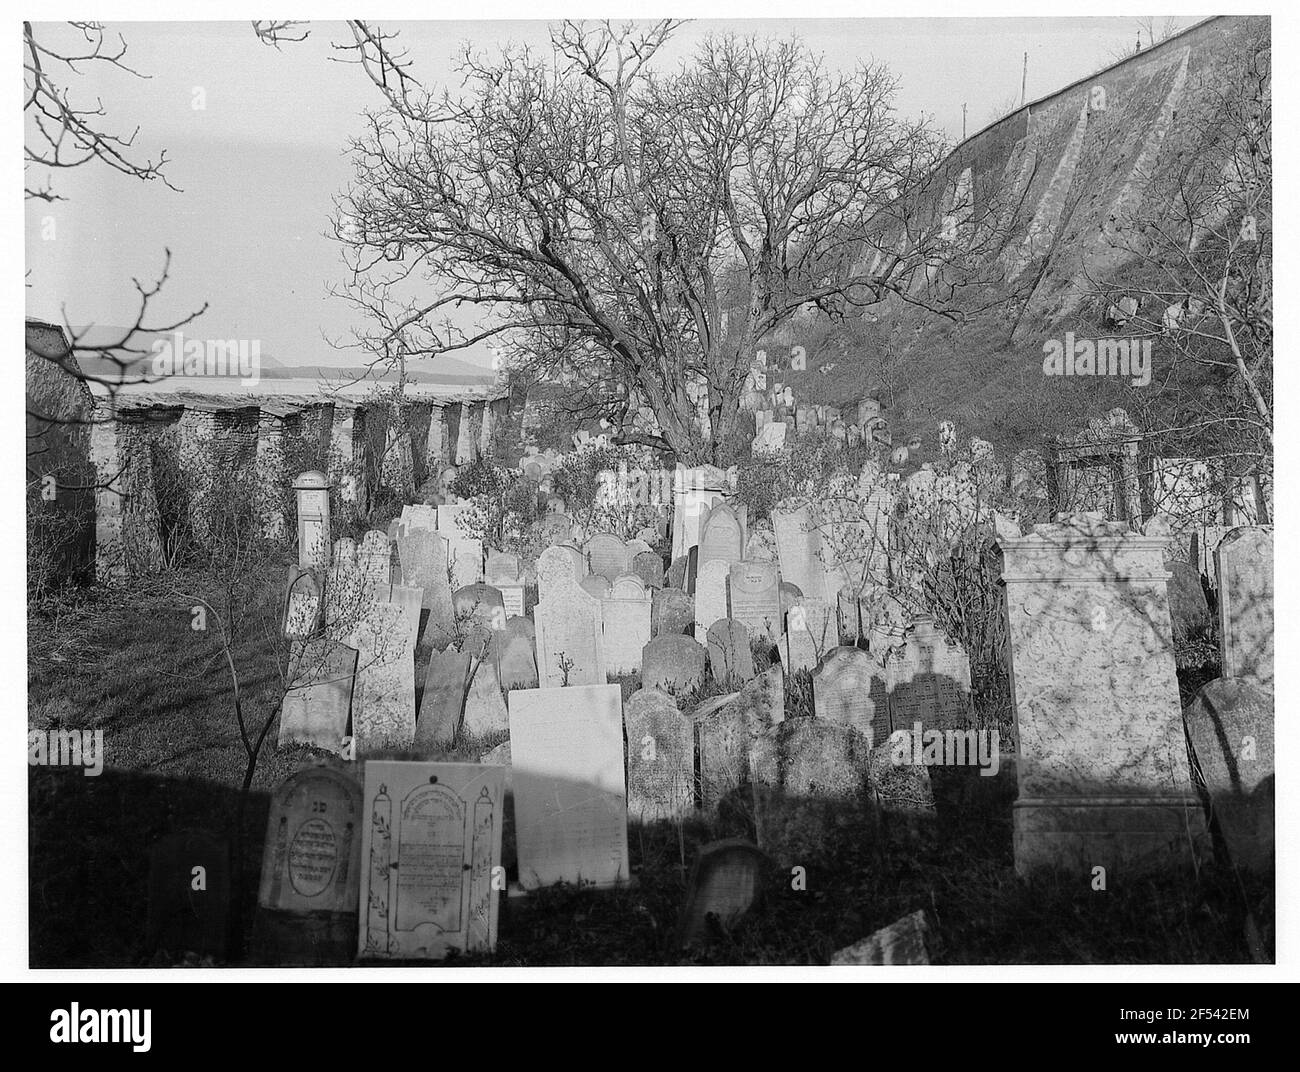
{"x":311,"y":861}
{"x":660,"y":758}
{"x":755,"y":591}
{"x":798,"y":547}
{"x":849,"y":688}
{"x":929,"y":681}
{"x":566,"y":750}
{"x":431,"y":874}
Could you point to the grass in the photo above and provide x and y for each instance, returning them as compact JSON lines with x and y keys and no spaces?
{"x":130,"y":665}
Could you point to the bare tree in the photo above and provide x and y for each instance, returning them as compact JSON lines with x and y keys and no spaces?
{"x":633,"y":235}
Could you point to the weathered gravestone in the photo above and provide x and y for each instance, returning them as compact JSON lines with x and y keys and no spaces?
{"x":900,"y":786}
{"x":446,"y":683}
{"x":464,"y":552}
{"x":424,"y":565}
{"x":556,"y":566}
{"x":672,"y":612}
{"x":755,"y":589}
{"x":676,"y":576}
{"x":1230,"y":727}
{"x":485,"y":710}
{"x":725,"y":883}
{"x":1102,"y":763}
{"x":649,"y":567}
{"x":1187,"y":604}
{"x":625,"y":624}
{"x":595,"y":585}
{"x":479,"y":611}
{"x":311,"y":862}
{"x":1244,"y":561}
{"x":812,"y":793}
{"x":515,"y":651}
{"x":431,"y":869}
{"x":724,"y":729}
{"x":375,"y":557}
{"x":710,"y":595}
{"x":318,"y":702}
{"x":673,"y":664}
{"x":303,"y":605}
{"x":730,"y":660}
{"x":383,"y":704}
{"x":905,"y":942}
{"x":569,"y":625}
{"x":798,"y":546}
{"x":929,"y":682}
{"x":607,"y":556}
{"x":721,"y":537}
{"x":189,"y":895}
{"x":504,"y":572}
{"x":849,"y":688}
{"x":566,"y":749}
{"x":660,"y":758}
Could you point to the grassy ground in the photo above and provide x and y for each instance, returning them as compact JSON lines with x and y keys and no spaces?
{"x":133,"y":667}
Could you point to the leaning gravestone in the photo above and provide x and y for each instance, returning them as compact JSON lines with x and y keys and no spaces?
{"x":730,"y":659}
{"x":756,"y":597}
{"x":672,"y":612}
{"x":625,"y":628}
{"x":1101,"y":757}
{"x":1244,"y":561}
{"x":928,"y":682}
{"x":432,"y":874}
{"x":725,"y":883}
{"x":569,"y":625}
{"x":1187,"y":604}
{"x":1230,"y":727}
{"x":446,"y":682}
{"x":673,"y":664}
{"x":485,"y":710}
{"x":849,"y":689}
{"x":566,"y":750}
{"x":812,"y":794}
{"x":660,"y":758}
{"x":904,"y":942}
{"x":311,"y":862}
{"x":189,"y":895}
{"x":424,"y":565}
{"x":318,"y":701}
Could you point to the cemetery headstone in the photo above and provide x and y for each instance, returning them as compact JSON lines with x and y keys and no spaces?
{"x":1101,"y":763}
{"x":672,"y":612}
{"x":625,"y":628}
{"x":929,"y":682}
{"x":485,"y":710}
{"x":1244,"y":562}
{"x":755,"y":589}
{"x":569,"y":626}
{"x":431,"y":874}
{"x":710,"y":595}
{"x":730,"y":660}
{"x":673,"y":664}
{"x":516,"y":655}
{"x":726,"y":882}
{"x":566,"y":749}
{"x":423,"y":555}
{"x":607,"y":555}
{"x":721,"y":538}
{"x":318,"y":702}
{"x":849,"y":688}
{"x":1230,"y":727}
{"x":383,"y":705}
{"x":660,"y":758}
{"x":649,"y":567}
{"x":446,"y":684}
{"x":311,"y":862}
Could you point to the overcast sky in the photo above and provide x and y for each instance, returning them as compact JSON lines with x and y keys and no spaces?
{"x":260,"y":163}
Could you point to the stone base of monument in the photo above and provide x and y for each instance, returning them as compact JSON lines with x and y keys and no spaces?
{"x":519,"y":894}
{"x":1125,"y":835}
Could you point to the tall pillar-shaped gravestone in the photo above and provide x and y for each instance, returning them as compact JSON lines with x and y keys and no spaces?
{"x":1102,"y":766}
